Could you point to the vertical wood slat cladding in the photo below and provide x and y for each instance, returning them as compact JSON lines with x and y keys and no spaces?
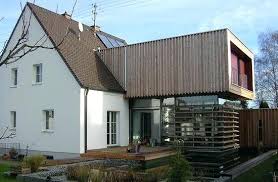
{"x":249,"y":128}
{"x":190,"y":64}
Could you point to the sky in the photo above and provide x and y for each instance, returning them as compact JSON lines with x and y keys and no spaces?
{"x":144,"y":20}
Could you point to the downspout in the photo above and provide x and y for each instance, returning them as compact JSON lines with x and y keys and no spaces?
{"x":85,"y":118}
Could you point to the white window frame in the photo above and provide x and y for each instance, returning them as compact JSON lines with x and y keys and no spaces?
{"x":13,"y":120}
{"x":37,"y":76}
{"x":14,"y":77}
{"x":48,"y":120}
{"x":117,"y":124}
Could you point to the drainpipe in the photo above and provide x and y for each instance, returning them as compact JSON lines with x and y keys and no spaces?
{"x":85,"y":118}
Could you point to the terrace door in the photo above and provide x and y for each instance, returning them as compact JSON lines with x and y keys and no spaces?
{"x":146,"y":126}
{"x":112,"y":128}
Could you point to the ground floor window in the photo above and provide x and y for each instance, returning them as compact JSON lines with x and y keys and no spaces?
{"x":112,"y":128}
{"x":48,"y":121}
{"x":13,"y":120}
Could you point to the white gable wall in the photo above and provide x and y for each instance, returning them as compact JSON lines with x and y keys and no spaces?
{"x":59,"y":91}
{"x":99,"y":103}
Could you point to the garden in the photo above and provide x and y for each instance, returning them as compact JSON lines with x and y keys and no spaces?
{"x":37,"y":167}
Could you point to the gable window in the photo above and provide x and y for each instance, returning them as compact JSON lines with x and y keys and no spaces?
{"x":48,"y":120}
{"x":14,"y":77}
{"x":37,"y":73}
{"x":13,"y":120}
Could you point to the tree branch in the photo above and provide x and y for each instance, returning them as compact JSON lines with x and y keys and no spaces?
{"x":6,"y":135}
{"x":22,"y":47}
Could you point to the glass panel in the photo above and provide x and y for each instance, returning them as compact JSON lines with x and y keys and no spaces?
{"x":15,"y":77}
{"x":120,"y":43}
{"x":14,"y":119}
{"x":47,"y":120}
{"x":113,"y":138}
{"x":38,"y":69}
{"x":113,"y":41}
{"x":105,"y":41}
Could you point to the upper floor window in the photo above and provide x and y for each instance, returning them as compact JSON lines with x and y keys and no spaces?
{"x":37,"y":73}
{"x":13,"y":120}
{"x":14,"y":77}
{"x":48,"y":121}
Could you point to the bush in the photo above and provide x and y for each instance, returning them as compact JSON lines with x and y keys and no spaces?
{"x":79,"y":173}
{"x":13,"y":153}
{"x":180,"y":170}
{"x":264,"y":104}
{"x":33,"y":162}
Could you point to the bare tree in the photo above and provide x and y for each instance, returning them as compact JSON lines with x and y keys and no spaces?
{"x":6,"y":133}
{"x":266,"y":66}
{"x":2,"y":18}
{"x":23,"y":47}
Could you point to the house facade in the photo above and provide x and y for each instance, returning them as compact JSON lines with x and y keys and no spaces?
{"x":42,"y":100}
{"x":95,"y":91}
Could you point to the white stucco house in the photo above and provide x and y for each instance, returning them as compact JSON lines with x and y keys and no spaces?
{"x":45,"y":95}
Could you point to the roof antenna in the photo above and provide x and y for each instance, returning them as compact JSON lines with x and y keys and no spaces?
{"x":94,"y":11}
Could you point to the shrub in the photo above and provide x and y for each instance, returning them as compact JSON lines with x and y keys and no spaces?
{"x":180,"y":169}
{"x":33,"y":162}
{"x":13,"y":153}
{"x":79,"y":173}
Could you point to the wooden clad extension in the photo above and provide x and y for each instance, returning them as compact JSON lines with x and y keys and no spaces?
{"x":186,"y":65}
{"x":249,"y":121}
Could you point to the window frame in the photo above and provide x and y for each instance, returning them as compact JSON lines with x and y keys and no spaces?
{"x":112,"y":118}
{"x":13,"y":118}
{"x":37,"y":74}
{"x":48,"y":120}
{"x":14,"y":77}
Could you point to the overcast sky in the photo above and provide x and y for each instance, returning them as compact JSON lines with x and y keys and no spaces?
{"x":142,"y":20}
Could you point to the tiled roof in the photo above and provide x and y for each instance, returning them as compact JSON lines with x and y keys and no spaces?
{"x":77,"y":50}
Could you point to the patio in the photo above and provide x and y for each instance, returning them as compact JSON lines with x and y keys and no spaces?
{"x":146,"y":153}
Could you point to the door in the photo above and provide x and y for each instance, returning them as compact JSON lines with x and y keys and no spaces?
{"x":146,"y":124}
{"x":112,"y":128}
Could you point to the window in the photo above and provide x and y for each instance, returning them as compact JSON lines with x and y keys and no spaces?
{"x":235,"y":76}
{"x":48,"y":121}
{"x":112,"y":128}
{"x":14,"y":77}
{"x":37,"y":73}
{"x":13,"y":119}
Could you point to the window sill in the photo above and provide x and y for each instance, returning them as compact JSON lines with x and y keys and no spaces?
{"x":37,"y":83}
{"x":47,"y":131}
{"x":234,"y":84}
{"x":13,"y":86}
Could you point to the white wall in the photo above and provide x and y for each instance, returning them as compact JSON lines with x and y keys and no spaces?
{"x":99,"y":103}
{"x":59,"y":91}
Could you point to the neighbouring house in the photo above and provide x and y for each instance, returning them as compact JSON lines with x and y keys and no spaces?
{"x":94,"y":91}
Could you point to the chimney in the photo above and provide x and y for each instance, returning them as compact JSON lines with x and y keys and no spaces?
{"x":95,"y":28}
{"x":66,"y":15}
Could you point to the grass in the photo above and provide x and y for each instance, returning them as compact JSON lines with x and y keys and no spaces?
{"x":259,"y":173}
{"x":4,"y":168}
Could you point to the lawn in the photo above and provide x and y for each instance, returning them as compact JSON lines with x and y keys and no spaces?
{"x":260,"y":173}
{"x":4,"y":168}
